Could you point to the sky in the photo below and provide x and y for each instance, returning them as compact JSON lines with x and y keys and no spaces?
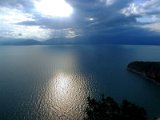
{"x":48,"y":19}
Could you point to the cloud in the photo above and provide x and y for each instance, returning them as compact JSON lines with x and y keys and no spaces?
{"x":108,"y":2}
{"x":88,"y":14}
{"x":148,"y":19}
{"x":132,"y":9}
{"x":154,"y":27}
{"x":13,"y":16}
{"x":142,"y":7}
{"x":26,"y":32}
{"x":10,"y":29}
{"x":69,"y":33}
{"x":16,"y":23}
{"x":20,"y":19}
{"x":146,"y":14}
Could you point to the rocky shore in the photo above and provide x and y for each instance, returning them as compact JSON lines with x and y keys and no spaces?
{"x":149,"y":70}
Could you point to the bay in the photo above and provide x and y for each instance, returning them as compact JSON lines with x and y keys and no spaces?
{"x":53,"y":82}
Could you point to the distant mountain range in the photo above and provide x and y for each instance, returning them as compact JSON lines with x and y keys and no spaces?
{"x":36,"y":42}
{"x":86,"y":40}
{"x":20,"y":42}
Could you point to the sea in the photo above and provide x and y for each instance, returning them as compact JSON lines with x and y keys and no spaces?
{"x":53,"y":82}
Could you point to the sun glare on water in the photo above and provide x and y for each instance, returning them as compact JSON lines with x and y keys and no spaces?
{"x":54,"y":8}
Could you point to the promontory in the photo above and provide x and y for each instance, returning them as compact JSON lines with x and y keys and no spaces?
{"x":149,"y":70}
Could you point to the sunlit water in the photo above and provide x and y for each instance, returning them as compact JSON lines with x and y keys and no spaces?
{"x":53,"y":82}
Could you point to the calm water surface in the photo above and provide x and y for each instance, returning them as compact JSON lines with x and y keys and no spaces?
{"x":53,"y":82}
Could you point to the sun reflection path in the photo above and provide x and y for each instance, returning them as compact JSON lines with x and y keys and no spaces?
{"x":66,"y":96}
{"x":63,"y":85}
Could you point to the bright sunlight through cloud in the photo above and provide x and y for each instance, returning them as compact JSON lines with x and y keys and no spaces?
{"x":54,"y":8}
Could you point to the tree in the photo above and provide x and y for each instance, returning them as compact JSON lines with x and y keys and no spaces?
{"x":108,"y":109}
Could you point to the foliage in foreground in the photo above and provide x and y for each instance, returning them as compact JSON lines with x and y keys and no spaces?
{"x":108,"y":109}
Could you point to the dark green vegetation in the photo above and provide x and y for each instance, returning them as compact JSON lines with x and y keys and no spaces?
{"x":108,"y":109}
{"x":149,"y":70}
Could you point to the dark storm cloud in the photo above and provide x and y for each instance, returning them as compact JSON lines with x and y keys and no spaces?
{"x":48,"y":23}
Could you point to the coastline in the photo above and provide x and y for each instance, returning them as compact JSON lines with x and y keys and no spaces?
{"x":143,"y":75}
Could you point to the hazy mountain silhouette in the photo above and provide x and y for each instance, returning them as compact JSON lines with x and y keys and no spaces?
{"x":87,"y":40}
{"x":21,"y":42}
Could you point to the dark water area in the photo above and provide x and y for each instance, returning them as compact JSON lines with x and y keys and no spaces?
{"x":53,"y":82}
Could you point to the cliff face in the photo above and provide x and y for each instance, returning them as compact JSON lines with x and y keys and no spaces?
{"x":150,"y":70}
